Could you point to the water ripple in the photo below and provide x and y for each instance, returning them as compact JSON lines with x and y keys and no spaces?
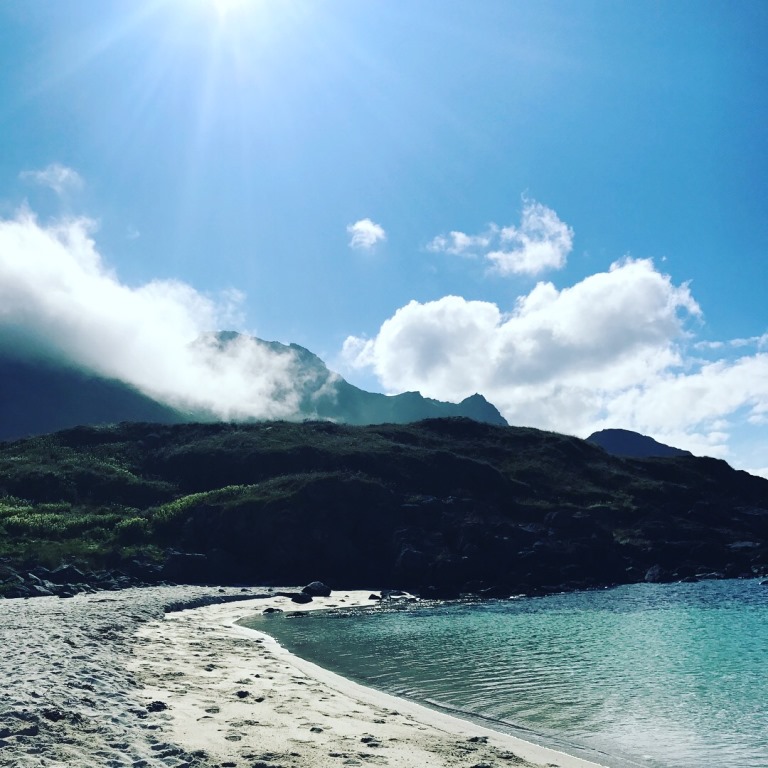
{"x":669,"y":676}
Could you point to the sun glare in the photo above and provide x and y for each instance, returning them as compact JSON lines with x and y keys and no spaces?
{"x":224,"y":7}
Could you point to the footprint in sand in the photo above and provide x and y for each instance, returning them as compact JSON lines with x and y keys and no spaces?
{"x":511,"y":757}
{"x":375,"y":759}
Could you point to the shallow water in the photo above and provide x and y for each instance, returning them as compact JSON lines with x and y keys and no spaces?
{"x":664,"y":676}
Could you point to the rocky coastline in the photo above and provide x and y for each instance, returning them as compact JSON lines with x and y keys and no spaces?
{"x":68,"y":580}
{"x":442,"y":508}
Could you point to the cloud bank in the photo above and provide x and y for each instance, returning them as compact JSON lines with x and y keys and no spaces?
{"x":59,"y":299}
{"x":609,"y":351}
{"x":541,"y":242}
{"x":364,"y":234}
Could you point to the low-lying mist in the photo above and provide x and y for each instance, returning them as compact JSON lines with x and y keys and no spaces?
{"x":60,"y":301}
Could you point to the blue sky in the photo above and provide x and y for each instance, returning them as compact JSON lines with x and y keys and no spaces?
{"x":296,"y":170}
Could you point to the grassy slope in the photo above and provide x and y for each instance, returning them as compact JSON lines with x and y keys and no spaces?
{"x":442,"y":501}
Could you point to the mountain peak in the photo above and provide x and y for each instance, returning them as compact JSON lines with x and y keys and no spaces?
{"x":624,"y":442}
{"x":36,"y":398}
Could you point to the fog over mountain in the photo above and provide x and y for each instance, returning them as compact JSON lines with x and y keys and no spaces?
{"x":60,"y":302}
{"x":574,"y":360}
{"x":65,"y":315}
{"x":41,"y":393}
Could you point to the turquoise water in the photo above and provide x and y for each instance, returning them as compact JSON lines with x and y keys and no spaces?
{"x":664,"y":676}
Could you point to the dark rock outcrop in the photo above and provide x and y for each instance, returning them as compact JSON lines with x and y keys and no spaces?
{"x":317,"y":589}
{"x":66,"y":574}
{"x":186,"y":567}
{"x":657,"y":575}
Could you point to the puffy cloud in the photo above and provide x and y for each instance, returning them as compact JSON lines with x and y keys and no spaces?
{"x":59,"y":298}
{"x":57,"y":177}
{"x":365,"y":234}
{"x":442,"y":342}
{"x":541,"y":242}
{"x":715,"y":391}
{"x":452,"y":347}
{"x":609,"y":351}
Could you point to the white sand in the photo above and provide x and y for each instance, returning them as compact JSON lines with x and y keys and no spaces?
{"x":79,"y":675}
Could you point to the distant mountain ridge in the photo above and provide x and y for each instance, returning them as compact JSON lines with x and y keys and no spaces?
{"x":38,"y":397}
{"x":624,"y":442}
{"x":328,"y":396}
{"x":41,"y":396}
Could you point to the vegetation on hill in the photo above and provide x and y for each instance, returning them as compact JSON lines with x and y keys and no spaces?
{"x":445,"y":503}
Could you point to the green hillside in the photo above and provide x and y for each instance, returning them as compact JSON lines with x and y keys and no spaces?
{"x":446,"y":503}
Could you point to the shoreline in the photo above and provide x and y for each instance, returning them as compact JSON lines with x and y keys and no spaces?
{"x":113,"y":680}
{"x":428,"y":708}
{"x":237,"y":695}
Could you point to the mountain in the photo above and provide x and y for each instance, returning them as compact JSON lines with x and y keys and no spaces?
{"x":327,"y":396}
{"x":443,"y":506}
{"x":623,"y":442}
{"x":39,"y":395}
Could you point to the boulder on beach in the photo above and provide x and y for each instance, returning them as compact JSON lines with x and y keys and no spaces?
{"x":317,"y":589}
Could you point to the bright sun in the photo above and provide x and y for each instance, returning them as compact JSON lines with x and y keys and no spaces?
{"x":225,"y":7}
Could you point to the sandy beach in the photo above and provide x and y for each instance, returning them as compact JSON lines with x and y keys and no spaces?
{"x":111,"y":679}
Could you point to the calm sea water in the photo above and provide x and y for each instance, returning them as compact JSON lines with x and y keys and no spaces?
{"x":663,"y":676}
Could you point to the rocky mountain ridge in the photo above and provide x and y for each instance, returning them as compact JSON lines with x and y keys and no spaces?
{"x":39,"y":395}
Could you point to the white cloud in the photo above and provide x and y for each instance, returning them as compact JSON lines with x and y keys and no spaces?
{"x":459,"y":243}
{"x":541,"y":242}
{"x":57,"y":177}
{"x":58,"y":296}
{"x":365,"y":234}
{"x":608,"y":351}
{"x":599,"y":326}
{"x":759,"y":342}
{"x":357,"y":352}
